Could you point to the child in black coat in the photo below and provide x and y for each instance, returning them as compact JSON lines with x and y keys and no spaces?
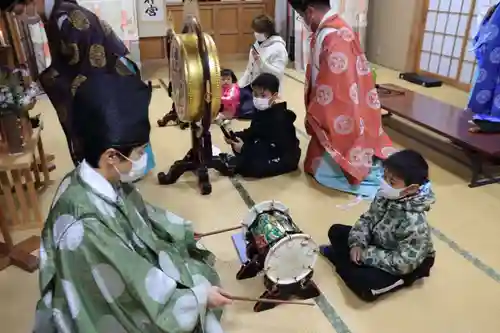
{"x":269,"y":147}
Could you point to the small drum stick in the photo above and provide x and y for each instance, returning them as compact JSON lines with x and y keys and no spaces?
{"x":216,"y":232}
{"x":267,"y":300}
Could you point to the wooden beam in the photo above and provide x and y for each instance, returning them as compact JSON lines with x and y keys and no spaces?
{"x":416,"y":36}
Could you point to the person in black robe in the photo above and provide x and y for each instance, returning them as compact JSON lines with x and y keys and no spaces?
{"x":269,"y":147}
{"x":81,"y":45}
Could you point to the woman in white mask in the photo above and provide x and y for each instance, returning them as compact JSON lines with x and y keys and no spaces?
{"x":268,"y":54}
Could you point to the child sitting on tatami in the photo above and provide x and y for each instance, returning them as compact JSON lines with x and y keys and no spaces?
{"x":230,"y":99}
{"x":390,"y":246}
{"x":269,"y":147}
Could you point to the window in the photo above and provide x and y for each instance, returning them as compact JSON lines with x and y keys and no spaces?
{"x":446,"y":40}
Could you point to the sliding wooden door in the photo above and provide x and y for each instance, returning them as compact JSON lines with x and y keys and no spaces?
{"x":446,"y":41}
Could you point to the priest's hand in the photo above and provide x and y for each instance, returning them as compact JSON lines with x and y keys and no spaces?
{"x":217,"y":298}
{"x":237,"y":145}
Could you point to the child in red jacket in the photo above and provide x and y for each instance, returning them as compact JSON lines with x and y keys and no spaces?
{"x":230,"y":99}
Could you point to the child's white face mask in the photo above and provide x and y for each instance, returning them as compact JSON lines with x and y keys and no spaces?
{"x":259,"y":37}
{"x":389,"y":192}
{"x":137,"y":171}
{"x":261,"y":103}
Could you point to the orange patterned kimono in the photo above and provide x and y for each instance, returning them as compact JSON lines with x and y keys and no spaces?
{"x":343,"y":112}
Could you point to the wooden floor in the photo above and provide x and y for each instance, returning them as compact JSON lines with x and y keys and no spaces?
{"x":461,"y":296}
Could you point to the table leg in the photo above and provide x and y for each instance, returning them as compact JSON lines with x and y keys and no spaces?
{"x":21,"y":196}
{"x":9,"y":199}
{"x":20,"y":254}
{"x":35,"y":206}
{"x":4,"y":228}
{"x":479,"y":175}
{"x":36,"y":171}
{"x":4,"y":262}
{"x":43,"y":162}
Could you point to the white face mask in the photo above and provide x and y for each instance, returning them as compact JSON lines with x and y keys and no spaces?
{"x":389,"y":192}
{"x":260,"y":37}
{"x":261,"y":103}
{"x":137,"y":171}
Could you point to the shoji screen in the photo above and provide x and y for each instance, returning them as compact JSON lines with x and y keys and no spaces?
{"x":446,"y":41}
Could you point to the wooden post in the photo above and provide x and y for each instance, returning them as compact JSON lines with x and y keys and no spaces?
{"x":417,"y":33}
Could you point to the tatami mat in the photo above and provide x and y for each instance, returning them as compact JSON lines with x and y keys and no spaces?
{"x":461,"y":296}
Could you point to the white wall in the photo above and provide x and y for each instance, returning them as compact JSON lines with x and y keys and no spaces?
{"x":389,"y":30}
{"x":153,"y":29}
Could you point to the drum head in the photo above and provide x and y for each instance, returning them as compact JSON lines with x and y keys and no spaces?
{"x":184,"y":86}
{"x":291,"y":259}
{"x":261,"y":207}
{"x":186,"y":76}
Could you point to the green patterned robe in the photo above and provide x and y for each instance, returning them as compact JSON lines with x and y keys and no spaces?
{"x":111,"y":263}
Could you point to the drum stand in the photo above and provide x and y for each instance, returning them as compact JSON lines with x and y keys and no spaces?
{"x":171,"y":116}
{"x":198,"y":159}
{"x":304,"y":289}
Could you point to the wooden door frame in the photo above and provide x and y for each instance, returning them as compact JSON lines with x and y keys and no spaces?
{"x":270,"y":7}
{"x":417,"y":38}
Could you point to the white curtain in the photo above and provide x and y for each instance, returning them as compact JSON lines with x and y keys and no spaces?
{"x":353,"y":11}
{"x":302,"y":46}
{"x":281,"y":17}
{"x":121,"y":15}
{"x":40,"y":45}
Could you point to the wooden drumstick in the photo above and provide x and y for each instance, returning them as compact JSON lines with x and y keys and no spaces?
{"x":216,"y":232}
{"x":267,"y":300}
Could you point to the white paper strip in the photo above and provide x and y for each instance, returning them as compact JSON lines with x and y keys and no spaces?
{"x":152,"y":10}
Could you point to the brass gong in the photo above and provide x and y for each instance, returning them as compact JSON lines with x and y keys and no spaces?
{"x":186,"y":74}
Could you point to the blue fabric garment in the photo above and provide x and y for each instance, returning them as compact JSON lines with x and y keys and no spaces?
{"x":474,"y":79}
{"x":484,"y":100}
{"x":330,"y":174}
{"x":151,"y":159}
{"x":148,"y":150}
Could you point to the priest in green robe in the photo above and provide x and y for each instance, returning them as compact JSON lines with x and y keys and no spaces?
{"x":109,"y":261}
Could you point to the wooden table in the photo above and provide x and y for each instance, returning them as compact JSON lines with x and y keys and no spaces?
{"x":21,"y":172}
{"x":450,"y":122}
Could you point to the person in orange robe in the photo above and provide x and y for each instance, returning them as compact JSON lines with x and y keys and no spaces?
{"x":343,"y":115}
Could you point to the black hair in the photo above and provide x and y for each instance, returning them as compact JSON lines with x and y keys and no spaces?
{"x":408,"y":165}
{"x":264,"y":24}
{"x":301,"y":5}
{"x":110,"y":111}
{"x":8,"y":5}
{"x":267,"y":81}
{"x":228,"y":72}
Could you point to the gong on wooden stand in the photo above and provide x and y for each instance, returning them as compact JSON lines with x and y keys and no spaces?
{"x":196,"y":92}
{"x":171,"y":116}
